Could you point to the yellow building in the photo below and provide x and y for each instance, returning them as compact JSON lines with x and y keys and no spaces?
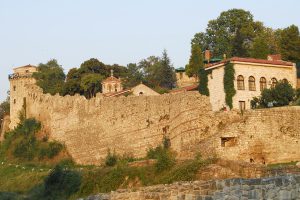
{"x":251,"y":77}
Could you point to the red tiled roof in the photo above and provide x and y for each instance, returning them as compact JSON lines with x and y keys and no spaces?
{"x":186,"y":88}
{"x":111,"y":79}
{"x":113,"y":94}
{"x":252,"y":60}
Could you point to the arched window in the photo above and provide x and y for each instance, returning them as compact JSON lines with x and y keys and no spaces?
{"x":116,"y":87}
{"x":274,"y":82}
{"x":109,"y":88}
{"x":240,"y":83}
{"x":251,"y":82}
{"x":285,"y":80}
{"x":263,"y":83}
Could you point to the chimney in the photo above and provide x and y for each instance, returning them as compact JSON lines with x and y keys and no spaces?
{"x":274,"y":57}
{"x":207,"y":55}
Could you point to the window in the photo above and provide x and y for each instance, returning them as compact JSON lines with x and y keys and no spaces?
{"x":141,"y":93}
{"x":15,"y":101}
{"x":228,"y":141}
{"x":116,"y":88}
{"x":27,"y":71}
{"x":109,"y":88}
{"x":285,"y":80}
{"x":251,"y":82}
{"x":14,"y":88}
{"x":240,"y":83}
{"x":273,"y":82}
{"x":263,"y":83}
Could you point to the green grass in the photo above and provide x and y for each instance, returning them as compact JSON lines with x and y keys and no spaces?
{"x":17,"y":179}
{"x":281,"y":165}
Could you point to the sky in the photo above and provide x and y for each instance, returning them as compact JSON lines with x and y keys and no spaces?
{"x":115,"y":31}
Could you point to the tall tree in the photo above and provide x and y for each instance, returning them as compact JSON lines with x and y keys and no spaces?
{"x":195,"y":62}
{"x":4,"y":108}
{"x":231,"y":33}
{"x":50,"y":77}
{"x":91,"y":84}
{"x":133,"y":77}
{"x":290,"y":43}
{"x":167,"y":72}
{"x":260,"y":48}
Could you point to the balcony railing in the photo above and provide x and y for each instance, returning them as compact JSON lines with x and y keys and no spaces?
{"x":17,"y":75}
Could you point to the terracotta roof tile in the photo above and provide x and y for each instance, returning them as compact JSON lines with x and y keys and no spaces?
{"x":186,"y":88}
{"x":252,"y":60}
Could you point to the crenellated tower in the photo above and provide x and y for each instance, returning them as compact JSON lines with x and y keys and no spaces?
{"x":19,"y":80}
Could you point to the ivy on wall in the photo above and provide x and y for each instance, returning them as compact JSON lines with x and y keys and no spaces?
{"x":203,"y":88}
{"x":229,"y":84}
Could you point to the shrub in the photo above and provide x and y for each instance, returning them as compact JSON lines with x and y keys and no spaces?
{"x":111,"y":159}
{"x":59,"y":184}
{"x":229,"y":84}
{"x":281,"y":95}
{"x":26,"y":148}
{"x":165,"y":160}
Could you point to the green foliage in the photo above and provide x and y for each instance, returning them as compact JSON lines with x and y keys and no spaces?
{"x":91,"y":84}
{"x":23,"y":144}
{"x":281,"y":95}
{"x":165,"y":158}
{"x":231,"y":33}
{"x":50,"y":77}
{"x":195,"y":62}
{"x":229,"y":84}
{"x":4,"y":108}
{"x":290,"y":43}
{"x":158,"y":72}
{"x":203,"y":83}
{"x":58,"y":185}
{"x":134,"y":76}
{"x":111,"y":159}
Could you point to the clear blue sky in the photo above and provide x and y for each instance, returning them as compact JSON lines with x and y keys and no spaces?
{"x":115,"y":31}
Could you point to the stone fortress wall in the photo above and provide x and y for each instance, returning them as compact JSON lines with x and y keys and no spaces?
{"x":131,"y":125}
{"x":279,"y":187}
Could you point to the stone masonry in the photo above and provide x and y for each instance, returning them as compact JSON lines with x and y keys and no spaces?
{"x":285,"y":187}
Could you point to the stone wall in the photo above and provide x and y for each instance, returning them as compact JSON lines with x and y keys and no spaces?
{"x":276,"y":188}
{"x":131,"y":125}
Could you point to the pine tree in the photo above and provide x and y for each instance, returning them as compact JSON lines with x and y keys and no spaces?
{"x":195,"y":62}
{"x":167,"y":73}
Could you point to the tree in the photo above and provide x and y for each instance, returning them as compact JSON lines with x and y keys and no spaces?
{"x":91,"y":84}
{"x":231,"y":33}
{"x":290,"y":43}
{"x":93,"y":65}
{"x":281,"y":95}
{"x":4,"y":108}
{"x":203,"y":82}
{"x":195,"y":62}
{"x":167,"y":73}
{"x":134,"y":76}
{"x":50,"y":77}
{"x":150,"y":68}
{"x":260,"y":48}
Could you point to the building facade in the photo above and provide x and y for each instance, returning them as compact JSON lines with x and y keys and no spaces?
{"x":251,"y":77}
{"x":111,"y":84}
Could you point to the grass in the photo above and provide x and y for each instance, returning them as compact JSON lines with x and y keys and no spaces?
{"x":18,"y":179}
{"x":281,"y":165}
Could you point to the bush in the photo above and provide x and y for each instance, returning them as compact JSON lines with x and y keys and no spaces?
{"x":26,"y":148}
{"x":165,"y":160}
{"x":111,"y":159}
{"x":59,"y":184}
{"x":281,"y":95}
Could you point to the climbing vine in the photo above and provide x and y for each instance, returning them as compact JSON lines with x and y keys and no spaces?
{"x":203,"y":88}
{"x":229,"y":84}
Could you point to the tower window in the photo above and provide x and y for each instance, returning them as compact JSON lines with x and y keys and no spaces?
{"x":15,"y":101}
{"x":14,"y":88}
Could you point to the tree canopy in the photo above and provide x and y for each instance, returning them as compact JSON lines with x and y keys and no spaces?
{"x":50,"y":77}
{"x":195,"y":62}
{"x":236,"y":33}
